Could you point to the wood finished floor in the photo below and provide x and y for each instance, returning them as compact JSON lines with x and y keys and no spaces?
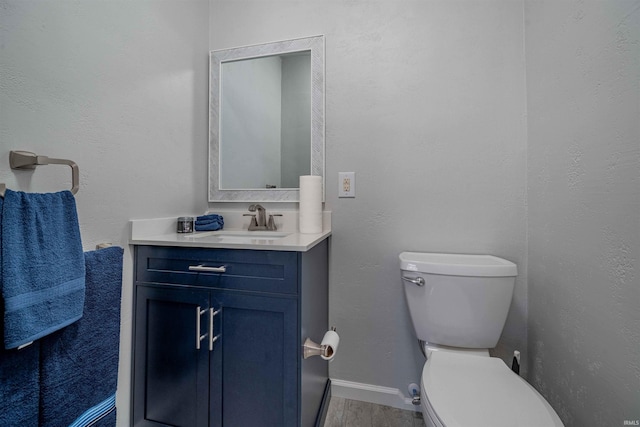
{"x":352,"y":413}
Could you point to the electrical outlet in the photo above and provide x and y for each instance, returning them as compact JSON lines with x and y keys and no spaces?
{"x":346,"y":184}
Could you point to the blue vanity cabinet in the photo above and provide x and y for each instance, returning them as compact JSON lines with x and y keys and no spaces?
{"x":256,"y":370}
{"x":171,"y":376}
{"x":252,"y":374}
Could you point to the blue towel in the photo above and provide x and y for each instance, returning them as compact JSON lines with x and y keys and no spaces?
{"x":19,"y":375}
{"x":19,"y":386}
{"x":206,"y":219}
{"x":213,"y":226}
{"x":80,"y":363}
{"x":211,"y":222}
{"x":209,"y":217}
{"x":42,"y":265}
{"x":102,"y":414}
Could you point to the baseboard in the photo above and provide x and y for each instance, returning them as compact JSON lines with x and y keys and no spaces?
{"x":372,"y":393}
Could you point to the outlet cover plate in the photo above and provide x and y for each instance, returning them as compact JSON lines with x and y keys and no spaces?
{"x":346,"y":184}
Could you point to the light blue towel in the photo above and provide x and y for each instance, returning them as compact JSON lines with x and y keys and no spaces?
{"x":43,"y":267}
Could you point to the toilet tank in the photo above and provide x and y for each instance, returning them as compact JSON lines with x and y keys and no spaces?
{"x":463,"y":300}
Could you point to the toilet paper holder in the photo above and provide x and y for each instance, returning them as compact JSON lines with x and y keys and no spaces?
{"x":326,"y":351}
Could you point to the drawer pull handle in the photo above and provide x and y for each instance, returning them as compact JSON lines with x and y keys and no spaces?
{"x":212,"y":339}
{"x":202,"y":268}
{"x":199,"y":338}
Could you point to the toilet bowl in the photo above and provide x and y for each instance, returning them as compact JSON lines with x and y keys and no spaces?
{"x":460,"y":390}
{"x":458,"y":306}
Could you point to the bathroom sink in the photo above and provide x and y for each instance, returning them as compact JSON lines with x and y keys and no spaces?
{"x":239,"y":236}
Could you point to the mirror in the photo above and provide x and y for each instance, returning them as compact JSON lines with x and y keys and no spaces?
{"x":266,"y":119}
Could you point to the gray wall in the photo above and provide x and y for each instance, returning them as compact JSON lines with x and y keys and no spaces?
{"x":251,"y":98}
{"x":583,"y":73}
{"x":296,"y":119}
{"x":425,"y":101}
{"x":121,"y":88}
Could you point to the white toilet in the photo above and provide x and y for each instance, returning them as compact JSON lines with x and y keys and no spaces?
{"x":458,"y":305}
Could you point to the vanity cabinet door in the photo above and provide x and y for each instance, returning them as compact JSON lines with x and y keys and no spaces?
{"x":257,"y":357}
{"x":171,"y":375}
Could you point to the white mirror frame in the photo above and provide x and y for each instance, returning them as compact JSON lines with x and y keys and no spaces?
{"x":216,"y":58}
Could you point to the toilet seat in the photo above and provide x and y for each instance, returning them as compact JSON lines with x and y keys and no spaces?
{"x":462,"y":390}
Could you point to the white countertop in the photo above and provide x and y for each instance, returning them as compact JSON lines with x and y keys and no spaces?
{"x":161,"y":232}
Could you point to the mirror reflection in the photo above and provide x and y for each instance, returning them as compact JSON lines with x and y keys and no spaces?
{"x":265,"y":121}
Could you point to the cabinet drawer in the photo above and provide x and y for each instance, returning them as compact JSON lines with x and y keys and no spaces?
{"x":262,"y":271}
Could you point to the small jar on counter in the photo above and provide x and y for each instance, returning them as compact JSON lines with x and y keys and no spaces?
{"x":185,"y":224}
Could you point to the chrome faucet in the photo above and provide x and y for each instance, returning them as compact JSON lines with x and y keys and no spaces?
{"x":259,"y":219}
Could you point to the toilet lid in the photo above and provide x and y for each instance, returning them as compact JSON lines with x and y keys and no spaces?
{"x":468,"y":390}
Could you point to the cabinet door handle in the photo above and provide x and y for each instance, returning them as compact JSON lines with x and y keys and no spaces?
{"x":212,"y":339}
{"x":199,"y":338}
{"x":202,"y":268}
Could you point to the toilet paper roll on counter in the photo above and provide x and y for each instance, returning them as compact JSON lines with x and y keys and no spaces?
{"x":330,"y":342}
{"x":310,"y":204}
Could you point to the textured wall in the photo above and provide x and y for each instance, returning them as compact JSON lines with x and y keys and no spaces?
{"x":251,"y":96}
{"x":425,"y":102}
{"x":583,"y":88}
{"x":121,"y":88}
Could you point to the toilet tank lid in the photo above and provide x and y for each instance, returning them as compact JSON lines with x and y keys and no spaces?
{"x":457,"y":264}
